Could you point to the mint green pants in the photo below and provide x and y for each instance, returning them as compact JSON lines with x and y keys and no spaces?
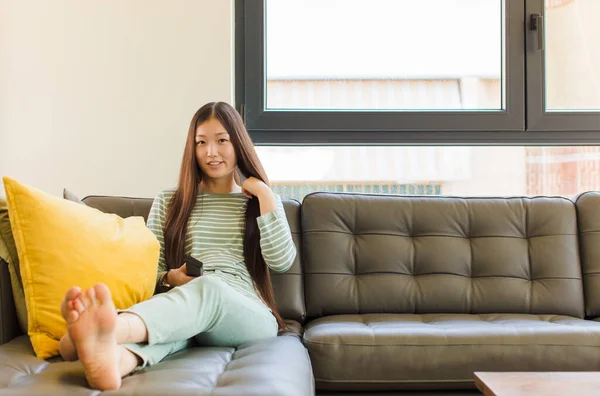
{"x":206,"y":310}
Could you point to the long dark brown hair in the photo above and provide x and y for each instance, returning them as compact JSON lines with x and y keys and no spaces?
{"x":180,"y":207}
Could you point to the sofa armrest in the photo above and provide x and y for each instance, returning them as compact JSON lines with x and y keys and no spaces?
{"x":9,"y":325}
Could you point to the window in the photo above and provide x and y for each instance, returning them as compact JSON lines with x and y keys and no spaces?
{"x":564,"y":66}
{"x":352,"y":72}
{"x":380,"y":57}
{"x":433,"y":170}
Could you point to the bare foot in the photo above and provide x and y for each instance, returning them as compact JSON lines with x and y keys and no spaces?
{"x":91,"y":325}
{"x":67,"y":347}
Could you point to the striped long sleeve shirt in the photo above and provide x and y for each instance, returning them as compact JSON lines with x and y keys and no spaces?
{"x":215,"y":236}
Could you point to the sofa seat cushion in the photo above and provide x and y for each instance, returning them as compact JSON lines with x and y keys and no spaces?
{"x":402,"y":351}
{"x":279,"y":366}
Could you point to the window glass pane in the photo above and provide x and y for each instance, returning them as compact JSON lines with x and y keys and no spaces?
{"x":444,"y":170}
{"x":572,"y":43}
{"x":385,"y":54}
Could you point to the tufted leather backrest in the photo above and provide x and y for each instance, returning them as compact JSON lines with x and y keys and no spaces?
{"x":588,"y":217}
{"x":288,"y":286}
{"x":121,"y":206}
{"x":395,"y":254}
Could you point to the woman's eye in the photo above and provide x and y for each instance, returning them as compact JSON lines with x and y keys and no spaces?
{"x":222,"y":140}
{"x":200,"y":142}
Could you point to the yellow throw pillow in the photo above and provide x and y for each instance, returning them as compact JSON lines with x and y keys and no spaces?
{"x":62,"y":244}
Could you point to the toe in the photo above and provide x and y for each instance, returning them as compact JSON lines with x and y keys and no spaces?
{"x":67,"y":303}
{"x":91,"y":295}
{"x":72,"y":317}
{"x":78,"y":305}
{"x":103,"y":293}
{"x":73,"y":293}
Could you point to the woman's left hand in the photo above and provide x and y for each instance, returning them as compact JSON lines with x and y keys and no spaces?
{"x":253,"y":187}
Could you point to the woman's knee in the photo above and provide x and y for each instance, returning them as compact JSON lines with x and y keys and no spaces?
{"x":209,"y":285}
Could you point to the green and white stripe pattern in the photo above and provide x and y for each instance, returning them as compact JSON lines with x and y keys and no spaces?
{"x":215,"y":237}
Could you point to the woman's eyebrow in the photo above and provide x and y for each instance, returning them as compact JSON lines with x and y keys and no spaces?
{"x":220,"y":133}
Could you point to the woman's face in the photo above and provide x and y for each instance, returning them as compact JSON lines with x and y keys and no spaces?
{"x":214,"y":152}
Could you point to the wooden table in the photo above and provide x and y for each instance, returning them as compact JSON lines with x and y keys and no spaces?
{"x":538,"y":383}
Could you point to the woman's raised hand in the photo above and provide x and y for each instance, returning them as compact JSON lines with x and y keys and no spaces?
{"x":253,"y":187}
{"x":257,"y":188}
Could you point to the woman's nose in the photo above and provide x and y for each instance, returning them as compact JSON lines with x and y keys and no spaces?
{"x":212,"y":150}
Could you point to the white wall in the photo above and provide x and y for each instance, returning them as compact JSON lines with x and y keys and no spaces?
{"x":97,"y":95}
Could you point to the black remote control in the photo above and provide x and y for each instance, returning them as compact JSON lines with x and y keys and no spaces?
{"x":194,"y":267}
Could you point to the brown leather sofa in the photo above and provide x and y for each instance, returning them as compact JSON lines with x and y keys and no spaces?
{"x":387,"y":293}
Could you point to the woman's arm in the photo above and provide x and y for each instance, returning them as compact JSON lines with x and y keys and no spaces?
{"x":276,"y":242}
{"x":267,"y":200}
{"x":156,"y":224}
